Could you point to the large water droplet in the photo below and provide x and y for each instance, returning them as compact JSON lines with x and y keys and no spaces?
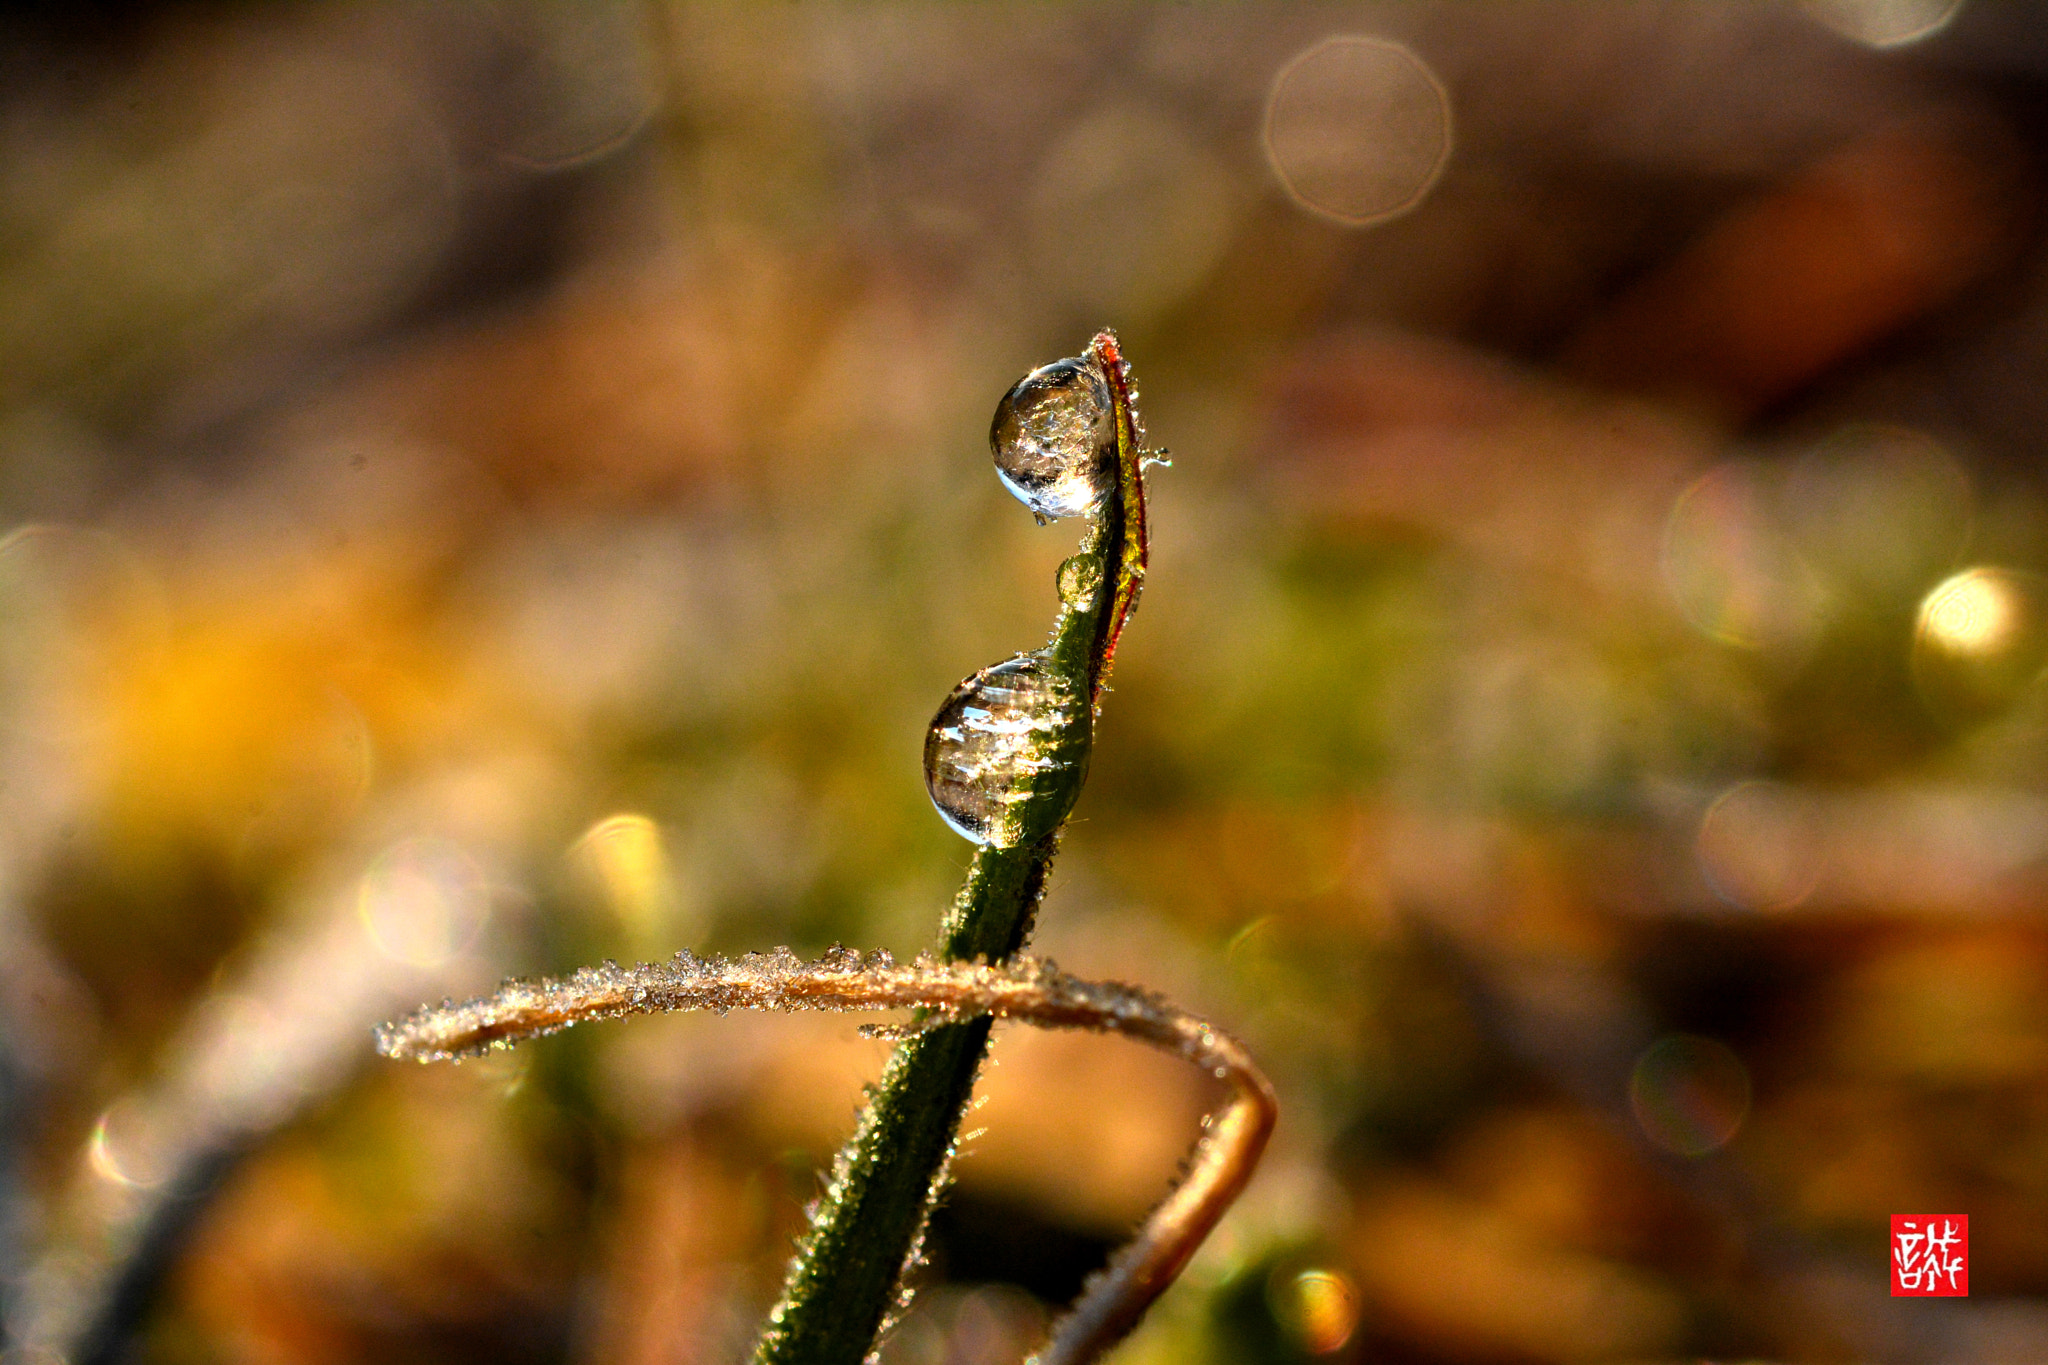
{"x":1054,"y":438}
{"x":1080,"y":578}
{"x":991,"y":743}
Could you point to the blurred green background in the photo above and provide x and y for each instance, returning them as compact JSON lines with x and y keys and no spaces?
{"x":492,"y":486}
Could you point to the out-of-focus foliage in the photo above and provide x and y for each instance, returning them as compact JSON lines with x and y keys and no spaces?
{"x":491,"y":486}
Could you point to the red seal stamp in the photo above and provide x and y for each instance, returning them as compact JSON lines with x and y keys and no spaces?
{"x":1931,"y":1255}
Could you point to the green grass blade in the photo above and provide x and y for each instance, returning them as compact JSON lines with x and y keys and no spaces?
{"x":845,"y":1281}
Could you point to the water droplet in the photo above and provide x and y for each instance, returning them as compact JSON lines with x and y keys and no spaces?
{"x":1080,"y":579}
{"x":1054,"y":439}
{"x":991,"y":743}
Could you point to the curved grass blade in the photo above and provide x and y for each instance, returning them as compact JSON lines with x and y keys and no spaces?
{"x":1025,"y":989}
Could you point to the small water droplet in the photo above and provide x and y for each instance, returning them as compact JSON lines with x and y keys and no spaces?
{"x":1080,"y":578}
{"x":1054,"y":438}
{"x":989,"y":745}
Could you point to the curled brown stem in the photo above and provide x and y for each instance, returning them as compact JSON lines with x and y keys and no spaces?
{"x":1032,"y":990}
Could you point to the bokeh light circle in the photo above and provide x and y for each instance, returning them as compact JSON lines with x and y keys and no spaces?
{"x":1884,"y":23}
{"x":1732,"y":568}
{"x":1128,"y":213}
{"x":594,"y":77}
{"x":1980,"y":642}
{"x":423,"y":902}
{"x":1318,"y":1307}
{"x":1690,"y":1094}
{"x":78,"y":614}
{"x":1757,"y":847}
{"x":1358,"y":129}
{"x":628,"y":856}
{"x":128,"y":1147}
{"x":1973,"y":613}
{"x":1879,"y":510}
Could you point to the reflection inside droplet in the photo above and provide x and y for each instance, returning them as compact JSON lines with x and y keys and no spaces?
{"x":1980,"y":642}
{"x":1054,"y":438}
{"x":1757,"y":847}
{"x":1318,"y":1307}
{"x":1731,"y":566}
{"x":991,"y":744}
{"x":1080,"y":577}
{"x":1358,"y":129}
{"x":423,"y":902}
{"x":1884,"y":23}
{"x":1689,"y":1094}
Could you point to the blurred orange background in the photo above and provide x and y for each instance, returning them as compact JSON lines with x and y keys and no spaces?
{"x":493,"y":486}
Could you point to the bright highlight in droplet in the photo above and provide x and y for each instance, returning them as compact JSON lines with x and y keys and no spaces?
{"x":423,"y":902}
{"x":1690,"y":1094}
{"x":1358,"y":129}
{"x":1974,"y":613}
{"x":1318,"y":1307}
